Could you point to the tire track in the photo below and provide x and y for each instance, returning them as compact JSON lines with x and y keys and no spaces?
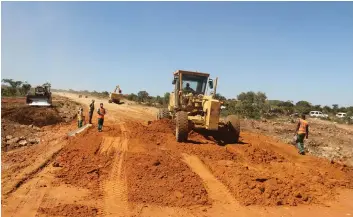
{"x":221,"y":197}
{"x":115,"y":188}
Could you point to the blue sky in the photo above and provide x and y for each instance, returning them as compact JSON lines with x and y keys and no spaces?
{"x":289,"y":50}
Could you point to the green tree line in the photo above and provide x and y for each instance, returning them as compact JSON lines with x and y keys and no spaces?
{"x":10,"y":88}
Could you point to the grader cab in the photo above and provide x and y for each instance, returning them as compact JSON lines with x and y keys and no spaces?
{"x":192,"y":105}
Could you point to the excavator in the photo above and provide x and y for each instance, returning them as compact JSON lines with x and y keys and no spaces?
{"x":41,"y":96}
{"x":115,"y":97}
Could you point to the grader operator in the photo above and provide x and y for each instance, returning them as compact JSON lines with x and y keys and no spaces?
{"x":193,"y":105}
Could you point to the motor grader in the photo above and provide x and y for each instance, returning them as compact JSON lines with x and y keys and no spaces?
{"x":192,"y":105}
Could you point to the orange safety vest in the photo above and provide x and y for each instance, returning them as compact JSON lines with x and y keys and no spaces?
{"x":102,"y":113}
{"x":302,"y":127}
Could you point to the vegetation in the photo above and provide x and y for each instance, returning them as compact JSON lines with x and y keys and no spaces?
{"x":104,"y":94}
{"x":247,"y":104}
{"x":11,"y":88}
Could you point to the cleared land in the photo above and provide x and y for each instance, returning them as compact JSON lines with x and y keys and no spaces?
{"x":135,"y":167}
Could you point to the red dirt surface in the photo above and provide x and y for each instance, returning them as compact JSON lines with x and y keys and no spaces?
{"x":260,"y":171}
{"x":69,"y":210}
{"x":82,"y":164}
{"x":163,"y":179}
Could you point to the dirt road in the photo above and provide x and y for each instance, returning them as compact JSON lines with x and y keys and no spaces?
{"x":134,"y":168}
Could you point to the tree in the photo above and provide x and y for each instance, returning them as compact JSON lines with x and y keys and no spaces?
{"x":25,"y":88}
{"x":303,"y":107}
{"x":14,"y":85}
{"x":142,"y":96}
{"x":220,"y":97}
{"x":132,"y":97}
{"x":335,"y":108}
{"x":105,"y":93}
{"x":250,"y":104}
{"x":327,"y":109}
{"x":166,"y":98}
{"x":317,"y":107}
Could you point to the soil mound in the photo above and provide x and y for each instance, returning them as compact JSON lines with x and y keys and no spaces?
{"x":38,"y":116}
{"x":164,"y":180}
{"x":162,"y":126}
{"x":262,"y":174}
{"x":81,"y":163}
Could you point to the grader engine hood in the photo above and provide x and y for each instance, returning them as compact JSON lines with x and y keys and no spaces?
{"x":212,"y":112}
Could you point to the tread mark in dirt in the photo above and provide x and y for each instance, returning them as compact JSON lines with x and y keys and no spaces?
{"x":108,"y":145}
{"x":218,"y":192}
{"x":115,"y":188}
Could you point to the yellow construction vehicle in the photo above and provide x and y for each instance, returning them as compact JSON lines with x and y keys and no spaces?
{"x":192,"y":105}
{"x":115,"y":97}
{"x":41,"y":97}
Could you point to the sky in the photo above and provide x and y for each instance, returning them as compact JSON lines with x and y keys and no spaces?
{"x":289,"y":50}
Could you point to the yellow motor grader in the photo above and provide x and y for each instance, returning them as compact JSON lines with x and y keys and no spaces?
{"x":192,"y":105}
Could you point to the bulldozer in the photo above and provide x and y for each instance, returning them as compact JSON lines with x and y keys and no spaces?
{"x":115,"y":97}
{"x":192,"y":105}
{"x":41,"y":97}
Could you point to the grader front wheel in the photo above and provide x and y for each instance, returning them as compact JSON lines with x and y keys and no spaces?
{"x":233,"y":129}
{"x":182,"y":126}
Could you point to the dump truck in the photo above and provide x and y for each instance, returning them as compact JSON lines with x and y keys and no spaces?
{"x":41,"y":97}
{"x":116,"y":95}
{"x":192,"y":105}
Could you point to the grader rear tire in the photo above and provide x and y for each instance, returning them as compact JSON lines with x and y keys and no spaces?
{"x":182,"y":126}
{"x":233,"y":131}
{"x":163,"y":113}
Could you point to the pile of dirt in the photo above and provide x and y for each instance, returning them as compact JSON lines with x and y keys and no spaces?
{"x":264,"y":175}
{"x":162,"y":126}
{"x":38,"y":116}
{"x":63,"y":110}
{"x":259,"y":155}
{"x":81,"y":163}
{"x":164,"y":180}
{"x":69,"y":210}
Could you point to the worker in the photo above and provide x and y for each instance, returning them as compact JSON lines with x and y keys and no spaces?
{"x":188,"y":88}
{"x":91,"y":109}
{"x":101,"y":112}
{"x":80,"y":117}
{"x":302,"y":132}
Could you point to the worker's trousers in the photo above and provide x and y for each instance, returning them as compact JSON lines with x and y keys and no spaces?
{"x":79,"y":123}
{"x":90,"y":114}
{"x":300,"y":142}
{"x":100,"y":123}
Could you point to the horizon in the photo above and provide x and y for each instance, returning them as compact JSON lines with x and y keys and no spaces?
{"x":288,"y":50}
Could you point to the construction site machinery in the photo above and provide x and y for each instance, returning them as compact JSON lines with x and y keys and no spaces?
{"x":41,"y":97}
{"x":116,"y":96}
{"x":192,"y":105}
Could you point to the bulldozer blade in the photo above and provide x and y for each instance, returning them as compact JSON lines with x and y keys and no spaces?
{"x":39,"y":103}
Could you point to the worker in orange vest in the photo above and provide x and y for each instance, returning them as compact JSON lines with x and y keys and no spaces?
{"x":101,"y":112}
{"x":302,"y":132}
